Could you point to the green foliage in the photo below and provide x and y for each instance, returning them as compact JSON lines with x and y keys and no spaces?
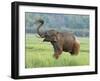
{"x":78,"y":24}
{"x":40,"y":54}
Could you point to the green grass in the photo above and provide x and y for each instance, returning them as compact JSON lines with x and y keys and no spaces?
{"x":40,"y":54}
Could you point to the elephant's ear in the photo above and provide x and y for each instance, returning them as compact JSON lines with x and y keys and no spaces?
{"x":56,"y":37}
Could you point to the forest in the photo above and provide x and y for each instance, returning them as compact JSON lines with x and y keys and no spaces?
{"x":77,"y":24}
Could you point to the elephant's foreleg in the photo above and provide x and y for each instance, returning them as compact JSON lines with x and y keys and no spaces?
{"x":57,"y":53}
{"x":57,"y":50}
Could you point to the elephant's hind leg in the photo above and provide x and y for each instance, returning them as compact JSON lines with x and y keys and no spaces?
{"x":76,"y":48}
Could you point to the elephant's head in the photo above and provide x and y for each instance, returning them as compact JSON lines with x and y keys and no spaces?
{"x":49,"y":36}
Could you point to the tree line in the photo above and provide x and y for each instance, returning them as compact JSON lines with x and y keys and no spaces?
{"x":77,"y":24}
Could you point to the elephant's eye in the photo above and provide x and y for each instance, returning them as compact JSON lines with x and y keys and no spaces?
{"x":46,"y":35}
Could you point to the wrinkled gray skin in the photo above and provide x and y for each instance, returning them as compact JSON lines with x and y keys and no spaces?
{"x":61,"y":41}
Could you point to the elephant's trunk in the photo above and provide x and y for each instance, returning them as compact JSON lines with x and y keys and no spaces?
{"x":41,"y":22}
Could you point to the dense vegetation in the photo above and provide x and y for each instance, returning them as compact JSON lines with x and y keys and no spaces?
{"x":78,"y":24}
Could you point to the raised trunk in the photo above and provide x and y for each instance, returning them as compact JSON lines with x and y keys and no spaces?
{"x":39,"y":32}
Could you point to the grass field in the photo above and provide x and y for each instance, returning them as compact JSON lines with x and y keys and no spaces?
{"x":40,"y":54}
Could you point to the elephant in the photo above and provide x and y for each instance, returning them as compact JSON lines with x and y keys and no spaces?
{"x":61,"y":41}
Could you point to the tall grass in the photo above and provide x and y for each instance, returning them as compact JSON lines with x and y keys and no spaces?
{"x":40,"y":54}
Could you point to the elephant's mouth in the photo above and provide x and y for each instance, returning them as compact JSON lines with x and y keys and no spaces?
{"x":46,"y":40}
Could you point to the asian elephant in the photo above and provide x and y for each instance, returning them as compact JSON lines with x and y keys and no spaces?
{"x":61,"y":41}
